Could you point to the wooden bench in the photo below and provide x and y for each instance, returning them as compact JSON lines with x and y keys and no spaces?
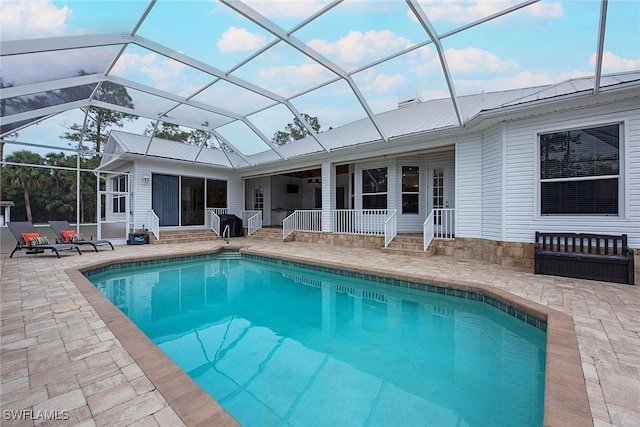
{"x":585,"y":256}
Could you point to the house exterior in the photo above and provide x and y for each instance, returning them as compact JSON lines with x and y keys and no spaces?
{"x":551,"y":158}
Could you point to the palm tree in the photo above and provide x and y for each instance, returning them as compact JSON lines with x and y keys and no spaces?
{"x":27,"y":177}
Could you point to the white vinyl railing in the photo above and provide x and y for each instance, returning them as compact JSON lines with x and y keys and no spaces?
{"x":154,"y":223}
{"x":390,"y":228}
{"x":253,"y":221}
{"x":443,"y":223}
{"x":427,"y":231}
{"x":302,"y":220}
{"x":440,"y":224}
{"x":377,"y":222}
{"x":363,"y":221}
{"x":212,"y":219}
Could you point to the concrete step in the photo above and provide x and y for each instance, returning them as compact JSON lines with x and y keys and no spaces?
{"x":183,"y":236}
{"x":268,"y":234}
{"x":408,"y":244}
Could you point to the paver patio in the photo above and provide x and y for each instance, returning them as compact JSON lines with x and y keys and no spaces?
{"x":60,"y":357}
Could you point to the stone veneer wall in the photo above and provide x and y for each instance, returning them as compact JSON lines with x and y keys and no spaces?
{"x":349,"y":240}
{"x":512,"y":254}
{"x":515,"y":254}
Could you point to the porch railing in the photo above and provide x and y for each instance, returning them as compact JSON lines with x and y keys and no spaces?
{"x":154,"y":223}
{"x":440,"y":224}
{"x":302,"y":220}
{"x":253,"y":219}
{"x":390,"y":228}
{"x":377,"y":222}
{"x":212,"y":218}
{"x":427,"y":231}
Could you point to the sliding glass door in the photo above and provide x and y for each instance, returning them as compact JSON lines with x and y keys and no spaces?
{"x":192,"y":201}
{"x":180,"y":200}
{"x":165,"y":199}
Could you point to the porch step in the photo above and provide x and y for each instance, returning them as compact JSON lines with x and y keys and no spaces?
{"x":271,"y":234}
{"x":408,"y":244}
{"x":183,"y":236}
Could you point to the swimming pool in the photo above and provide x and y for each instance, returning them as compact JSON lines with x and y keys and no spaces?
{"x":278,"y":344}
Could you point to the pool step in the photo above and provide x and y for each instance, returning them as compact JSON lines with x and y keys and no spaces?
{"x":184,"y":236}
{"x":229,"y":254}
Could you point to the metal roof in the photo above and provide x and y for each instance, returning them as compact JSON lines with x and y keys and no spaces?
{"x":418,"y":118}
{"x":241,"y":71}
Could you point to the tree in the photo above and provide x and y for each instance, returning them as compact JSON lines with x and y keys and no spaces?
{"x":173,"y":132}
{"x":168,"y":131}
{"x":27,"y":177}
{"x":296,"y":130}
{"x":12,"y":135}
{"x":101,"y":120}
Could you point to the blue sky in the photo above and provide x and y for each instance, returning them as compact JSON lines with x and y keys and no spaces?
{"x":546,"y":42}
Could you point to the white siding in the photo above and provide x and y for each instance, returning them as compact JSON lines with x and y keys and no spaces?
{"x":522,"y":183}
{"x":469,"y":186}
{"x":492,"y":171}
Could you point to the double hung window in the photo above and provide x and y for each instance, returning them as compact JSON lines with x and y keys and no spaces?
{"x":119,"y":184}
{"x":580,"y":171}
{"x":374,"y":188}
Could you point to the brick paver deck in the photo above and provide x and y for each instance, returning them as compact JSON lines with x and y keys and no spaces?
{"x":66,"y":353}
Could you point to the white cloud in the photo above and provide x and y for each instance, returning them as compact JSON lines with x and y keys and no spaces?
{"x":356,"y":47}
{"x":132,"y":61}
{"x":290,"y":79}
{"x":240,"y":40}
{"x":370,"y":81}
{"x":463,"y":12}
{"x":32,"y":19}
{"x":385,"y":83}
{"x":612,"y":63}
{"x":466,"y":61}
{"x":163,"y":72}
{"x":473,"y":59}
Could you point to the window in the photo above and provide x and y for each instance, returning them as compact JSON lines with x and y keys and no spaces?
{"x":374,"y":188}
{"x":410,"y":189}
{"x":216,"y":193}
{"x":580,"y":171}
{"x":258,"y":198}
{"x":119,"y":201}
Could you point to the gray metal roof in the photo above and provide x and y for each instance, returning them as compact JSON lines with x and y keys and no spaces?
{"x":419,"y":118}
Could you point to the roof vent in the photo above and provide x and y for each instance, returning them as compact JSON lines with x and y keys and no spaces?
{"x":410,"y":100}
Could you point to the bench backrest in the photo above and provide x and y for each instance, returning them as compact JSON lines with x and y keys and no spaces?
{"x":603,"y":244}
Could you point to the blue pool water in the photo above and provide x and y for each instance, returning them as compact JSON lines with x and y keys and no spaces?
{"x":282,"y":345}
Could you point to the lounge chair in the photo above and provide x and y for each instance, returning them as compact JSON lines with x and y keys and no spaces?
{"x":28,"y":238}
{"x":66,"y":234}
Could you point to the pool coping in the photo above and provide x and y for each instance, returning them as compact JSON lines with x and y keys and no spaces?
{"x":565,"y":395}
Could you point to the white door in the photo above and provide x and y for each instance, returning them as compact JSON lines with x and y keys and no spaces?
{"x":439,"y":179}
